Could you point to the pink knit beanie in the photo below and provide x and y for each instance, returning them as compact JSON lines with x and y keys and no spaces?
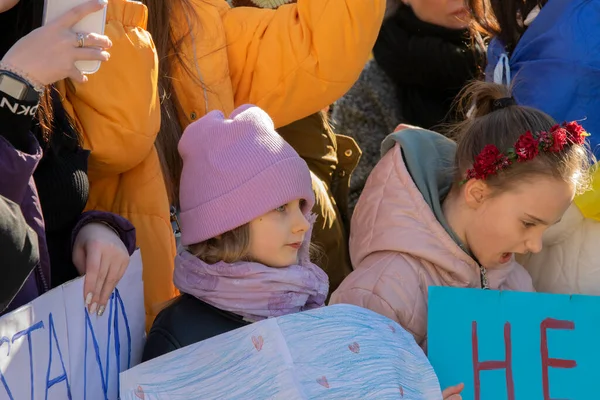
{"x":235,"y":170}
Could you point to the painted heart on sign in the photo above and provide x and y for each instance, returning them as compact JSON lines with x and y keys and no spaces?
{"x":323,"y":382}
{"x":139,"y":393}
{"x":354,"y":347}
{"x":258,"y":342}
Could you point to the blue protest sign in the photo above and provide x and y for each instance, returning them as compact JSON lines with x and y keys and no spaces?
{"x":509,"y":345}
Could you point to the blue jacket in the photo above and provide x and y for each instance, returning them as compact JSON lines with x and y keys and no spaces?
{"x":556,"y":64}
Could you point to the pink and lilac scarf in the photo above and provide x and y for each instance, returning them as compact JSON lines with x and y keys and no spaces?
{"x":251,"y":289}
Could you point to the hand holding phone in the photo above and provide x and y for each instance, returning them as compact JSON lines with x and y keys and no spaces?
{"x":50,"y":53}
{"x":90,"y":23}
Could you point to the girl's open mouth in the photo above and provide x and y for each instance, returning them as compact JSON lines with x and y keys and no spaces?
{"x":506,"y":257}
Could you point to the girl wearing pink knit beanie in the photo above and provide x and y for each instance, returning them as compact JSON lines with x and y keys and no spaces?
{"x":245,"y":198}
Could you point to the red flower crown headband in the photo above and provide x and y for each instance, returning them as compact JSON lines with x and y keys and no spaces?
{"x":491,"y":160}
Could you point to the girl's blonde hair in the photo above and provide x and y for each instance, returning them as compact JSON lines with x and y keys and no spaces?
{"x":229,"y":247}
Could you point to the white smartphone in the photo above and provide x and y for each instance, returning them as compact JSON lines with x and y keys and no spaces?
{"x":93,"y":23}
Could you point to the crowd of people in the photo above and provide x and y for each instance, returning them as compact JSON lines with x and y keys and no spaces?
{"x":224,"y":141}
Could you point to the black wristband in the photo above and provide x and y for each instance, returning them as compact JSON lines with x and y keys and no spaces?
{"x":16,"y":119}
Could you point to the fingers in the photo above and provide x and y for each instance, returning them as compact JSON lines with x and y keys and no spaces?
{"x":77,"y":13}
{"x":105,"y":261}
{"x":116,"y":270}
{"x":453,"y":392}
{"x":100,"y":278}
{"x":76,"y":75}
{"x":93,"y":44}
{"x":86,"y":54}
{"x":92,"y":268}
{"x":93,"y":40}
{"x":91,"y":54}
{"x":79,"y":262}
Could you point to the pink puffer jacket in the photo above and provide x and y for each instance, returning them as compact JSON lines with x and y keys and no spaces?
{"x":398,"y":249}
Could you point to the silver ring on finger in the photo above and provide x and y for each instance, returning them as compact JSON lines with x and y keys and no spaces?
{"x":80,"y":40}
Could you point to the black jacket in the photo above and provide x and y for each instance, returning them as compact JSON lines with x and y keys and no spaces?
{"x":187,"y":321}
{"x":19,"y":250}
{"x":429,"y":65}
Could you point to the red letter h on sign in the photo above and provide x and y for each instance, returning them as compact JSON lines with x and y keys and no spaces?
{"x":479,"y":366}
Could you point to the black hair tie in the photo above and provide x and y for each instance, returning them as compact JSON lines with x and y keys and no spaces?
{"x":504,"y":102}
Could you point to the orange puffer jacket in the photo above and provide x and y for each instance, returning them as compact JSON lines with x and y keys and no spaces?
{"x":117,"y":111}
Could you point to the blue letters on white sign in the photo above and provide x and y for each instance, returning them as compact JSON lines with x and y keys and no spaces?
{"x":45,"y":355}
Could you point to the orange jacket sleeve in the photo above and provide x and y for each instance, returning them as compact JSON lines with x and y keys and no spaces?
{"x":297,"y":59}
{"x":117,"y":111}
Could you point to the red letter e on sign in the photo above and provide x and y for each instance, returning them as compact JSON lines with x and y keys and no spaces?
{"x":548,"y":362}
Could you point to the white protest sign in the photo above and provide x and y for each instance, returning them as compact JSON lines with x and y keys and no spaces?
{"x":53,"y":349}
{"x":337,"y":352}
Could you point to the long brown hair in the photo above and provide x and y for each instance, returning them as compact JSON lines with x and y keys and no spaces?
{"x":502,"y":18}
{"x":502,"y":128}
{"x":160,"y":14}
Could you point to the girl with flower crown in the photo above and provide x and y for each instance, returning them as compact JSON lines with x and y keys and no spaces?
{"x":549,"y":49}
{"x":426,"y":220}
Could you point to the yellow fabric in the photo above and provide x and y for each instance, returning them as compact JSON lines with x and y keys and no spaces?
{"x":291,"y":62}
{"x":589,"y":202}
{"x":117,"y":112}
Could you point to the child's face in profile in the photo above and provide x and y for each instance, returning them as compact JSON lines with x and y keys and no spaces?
{"x":514,"y":221}
{"x":276,"y":236}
